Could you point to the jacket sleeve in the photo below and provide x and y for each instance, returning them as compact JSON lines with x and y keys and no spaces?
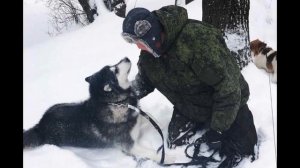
{"x":141,"y":86}
{"x":210,"y":66}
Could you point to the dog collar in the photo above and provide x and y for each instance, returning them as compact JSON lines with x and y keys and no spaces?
{"x":119,"y":104}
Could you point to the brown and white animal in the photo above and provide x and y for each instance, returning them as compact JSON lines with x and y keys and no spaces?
{"x":264,"y":57}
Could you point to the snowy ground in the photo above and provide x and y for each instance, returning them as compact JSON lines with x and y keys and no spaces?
{"x":55,"y":68}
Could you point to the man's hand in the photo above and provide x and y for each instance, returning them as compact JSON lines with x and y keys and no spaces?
{"x":213,"y":139}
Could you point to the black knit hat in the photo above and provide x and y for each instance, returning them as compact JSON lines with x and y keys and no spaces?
{"x":144,"y":25}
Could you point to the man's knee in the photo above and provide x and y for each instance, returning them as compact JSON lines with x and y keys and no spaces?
{"x":180,"y":130}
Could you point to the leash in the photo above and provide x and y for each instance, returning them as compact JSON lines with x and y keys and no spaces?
{"x":196,"y":159}
{"x":272,"y":117}
{"x":144,"y":114}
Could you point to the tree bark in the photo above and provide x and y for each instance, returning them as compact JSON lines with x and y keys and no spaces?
{"x":232,"y":18}
{"x":88,"y":10}
{"x":120,"y":8}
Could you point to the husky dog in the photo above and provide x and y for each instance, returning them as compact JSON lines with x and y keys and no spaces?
{"x":103,"y":120}
{"x":264,"y":57}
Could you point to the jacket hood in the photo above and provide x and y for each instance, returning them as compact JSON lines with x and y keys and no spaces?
{"x":173,"y":18}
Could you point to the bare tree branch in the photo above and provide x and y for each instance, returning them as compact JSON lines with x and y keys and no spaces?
{"x":65,"y":13}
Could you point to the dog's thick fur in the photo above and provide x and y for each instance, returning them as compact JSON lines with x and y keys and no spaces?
{"x":104,"y":120}
{"x":264,"y":57}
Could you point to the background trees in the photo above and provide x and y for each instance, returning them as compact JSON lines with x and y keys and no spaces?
{"x":232,"y":17}
{"x":67,"y":12}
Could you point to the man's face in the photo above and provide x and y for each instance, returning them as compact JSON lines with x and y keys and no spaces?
{"x":141,"y":44}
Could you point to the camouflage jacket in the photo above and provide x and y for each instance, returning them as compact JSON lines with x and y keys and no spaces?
{"x":196,"y":72}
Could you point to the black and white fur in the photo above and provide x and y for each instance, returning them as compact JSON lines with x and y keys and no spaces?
{"x":264,"y":57}
{"x":104,"y":120}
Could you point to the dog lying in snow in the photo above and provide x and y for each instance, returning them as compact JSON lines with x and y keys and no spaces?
{"x":264,"y":57}
{"x":104,"y":120}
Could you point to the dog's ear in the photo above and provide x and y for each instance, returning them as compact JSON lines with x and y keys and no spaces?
{"x":88,"y":79}
{"x":107,"y":88}
{"x":263,"y":44}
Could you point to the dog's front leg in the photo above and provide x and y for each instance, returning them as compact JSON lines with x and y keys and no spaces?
{"x":137,"y":149}
{"x":144,"y":152}
{"x":274,"y":77}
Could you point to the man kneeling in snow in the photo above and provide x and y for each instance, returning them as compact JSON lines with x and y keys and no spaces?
{"x":189,"y":63}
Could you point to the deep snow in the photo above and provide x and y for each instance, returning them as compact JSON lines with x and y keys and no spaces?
{"x":55,"y":68}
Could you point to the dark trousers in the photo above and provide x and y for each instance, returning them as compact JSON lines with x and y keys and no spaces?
{"x":241,"y":137}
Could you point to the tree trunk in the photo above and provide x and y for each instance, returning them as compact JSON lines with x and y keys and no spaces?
{"x":88,"y":10}
{"x":120,"y":8}
{"x":232,"y":18}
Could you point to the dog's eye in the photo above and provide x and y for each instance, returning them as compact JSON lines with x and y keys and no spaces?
{"x":116,"y":70}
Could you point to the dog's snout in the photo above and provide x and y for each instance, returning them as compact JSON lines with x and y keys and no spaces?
{"x":126,"y":59}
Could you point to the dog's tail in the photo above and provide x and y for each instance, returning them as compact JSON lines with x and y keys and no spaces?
{"x":32,"y":138}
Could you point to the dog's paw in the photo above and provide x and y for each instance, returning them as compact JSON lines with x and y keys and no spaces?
{"x":274,"y":78}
